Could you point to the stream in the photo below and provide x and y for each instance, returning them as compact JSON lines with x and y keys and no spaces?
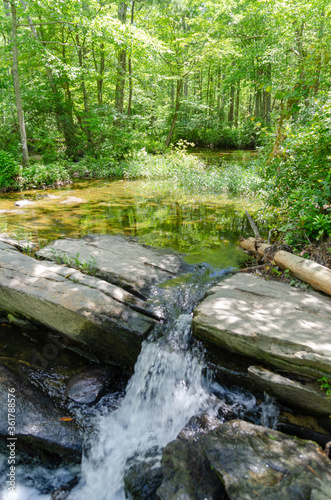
{"x":172,"y":381}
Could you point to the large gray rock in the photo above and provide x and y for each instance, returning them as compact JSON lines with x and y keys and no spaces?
{"x":104,"y":318}
{"x":250,"y":461}
{"x":269,"y":321}
{"x":120,"y":260}
{"x":38,"y":422}
{"x":298,"y":394}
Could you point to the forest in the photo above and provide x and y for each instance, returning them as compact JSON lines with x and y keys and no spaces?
{"x":111,"y":89}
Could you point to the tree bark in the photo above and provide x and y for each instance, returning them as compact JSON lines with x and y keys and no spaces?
{"x":17,"y":89}
{"x":121,"y":65}
{"x":175,"y":115}
{"x":81,"y":56}
{"x":319,"y":277}
{"x":130,"y":66}
{"x":236,"y":117}
{"x":231,"y":109}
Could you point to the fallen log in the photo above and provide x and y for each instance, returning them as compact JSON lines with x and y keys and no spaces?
{"x":318,"y":276}
{"x":253,"y":225}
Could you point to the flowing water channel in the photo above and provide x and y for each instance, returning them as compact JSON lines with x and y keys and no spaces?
{"x":171,"y":381}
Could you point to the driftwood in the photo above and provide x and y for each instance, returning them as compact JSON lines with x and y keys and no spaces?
{"x":253,"y":225}
{"x":319,"y":277}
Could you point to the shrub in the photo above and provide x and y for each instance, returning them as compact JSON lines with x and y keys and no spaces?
{"x":297,"y":169}
{"x":39,"y":175}
{"x":9,"y":169}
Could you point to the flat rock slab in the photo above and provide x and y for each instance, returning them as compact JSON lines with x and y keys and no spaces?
{"x":250,"y":461}
{"x":37,"y":421}
{"x":268,"y":321}
{"x":120,"y":260}
{"x":106,"y":319}
{"x":304,"y":396}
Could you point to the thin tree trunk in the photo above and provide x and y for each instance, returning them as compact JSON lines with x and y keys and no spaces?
{"x":130,"y":66}
{"x":16,"y":82}
{"x":218,"y":92}
{"x":231,"y":110}
{"x":101,"y":72}
{"x":236,"y":118}
{"x":175,"y":116}
{"x":121,"y":65}
{"x":81,"y":53}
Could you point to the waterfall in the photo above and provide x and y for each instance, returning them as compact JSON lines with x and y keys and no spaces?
{"x":165,"y":391}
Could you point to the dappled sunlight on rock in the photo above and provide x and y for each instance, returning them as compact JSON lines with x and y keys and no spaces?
{"x":269,"y":321}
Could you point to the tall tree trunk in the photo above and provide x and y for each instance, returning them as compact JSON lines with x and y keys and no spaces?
{"x":101,"y":72}
{"x":268,"y":98}
{"x":236,"y":117}
{"x":231,"y":109}
{"x":121,"y":66}
{"x":99,"y":69}
{"x":16,"y":82}
{"x":179,"y":87}
{"x":218,"y":86}
{"x":130,"y":66}
{"x":81,"y":56}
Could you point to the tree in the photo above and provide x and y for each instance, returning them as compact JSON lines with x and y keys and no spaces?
{"x":16,"y":81}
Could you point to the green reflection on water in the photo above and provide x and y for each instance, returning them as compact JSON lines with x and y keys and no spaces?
{"x":206,"y":228}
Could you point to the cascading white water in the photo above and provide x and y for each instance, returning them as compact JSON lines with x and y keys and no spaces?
{"x":165,"y":391}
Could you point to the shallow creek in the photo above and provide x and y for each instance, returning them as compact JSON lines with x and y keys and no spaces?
{"x":171,"y":382}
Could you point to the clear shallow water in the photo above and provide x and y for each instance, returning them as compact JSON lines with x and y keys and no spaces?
{"x":204,"y":227}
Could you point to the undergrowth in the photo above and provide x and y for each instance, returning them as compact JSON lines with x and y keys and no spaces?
{"x":188,"y":172}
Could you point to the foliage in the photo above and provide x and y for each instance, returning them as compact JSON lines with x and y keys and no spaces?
{"x":223,"y":74}
{"x":39,"y":175}
{"x":9,"y":169}
{"x":189,"y":172}
{"x":325,"y":385}
{"x":298,"y":174}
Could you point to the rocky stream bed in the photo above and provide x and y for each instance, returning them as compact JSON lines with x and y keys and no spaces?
{"x":206,"y":426}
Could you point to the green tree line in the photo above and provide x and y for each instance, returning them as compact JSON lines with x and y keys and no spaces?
{"x":94,"y":75}
{"x":102,"y":78}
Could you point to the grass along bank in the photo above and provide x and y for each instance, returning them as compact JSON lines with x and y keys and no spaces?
{"x":184,"y":170}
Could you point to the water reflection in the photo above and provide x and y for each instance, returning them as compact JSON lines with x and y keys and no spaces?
{"x":206,"y":227}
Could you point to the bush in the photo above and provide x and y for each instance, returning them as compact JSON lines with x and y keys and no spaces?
{"x":98,"y":168}
{"x":39,"y":175}
{"x":9,"y":169}
{"x":188,"y":172}
{"x":297,"y":170}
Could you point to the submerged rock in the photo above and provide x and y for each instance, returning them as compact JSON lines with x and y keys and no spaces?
{"x":268,"y":321}
{"x":120,"y":260}
{"x":72,"y":200}
{"x":249,"y":461}
{"x":103,"y":318}
{"x":23,"y":203}
{"x":88,"y":386}
{"x":37,"y":421}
